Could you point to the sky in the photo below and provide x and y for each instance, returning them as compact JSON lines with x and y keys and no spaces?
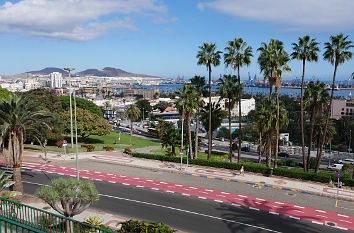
{"x":161,"y":37}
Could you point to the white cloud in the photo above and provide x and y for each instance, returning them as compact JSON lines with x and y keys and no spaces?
{"x":78,"y":20}
{"x":293,"y":14}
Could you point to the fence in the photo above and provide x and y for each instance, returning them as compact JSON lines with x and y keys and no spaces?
{"x":17,"y":217}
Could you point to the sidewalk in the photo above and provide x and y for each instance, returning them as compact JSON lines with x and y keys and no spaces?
{"x":205,"y":172}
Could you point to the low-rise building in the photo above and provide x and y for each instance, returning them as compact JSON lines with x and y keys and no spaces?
{"x":247,"y":105}
{"x":146,"y":93}
{"x":344,"y":107}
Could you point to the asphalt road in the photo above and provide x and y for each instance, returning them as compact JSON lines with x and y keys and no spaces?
{"x":185,"y":213}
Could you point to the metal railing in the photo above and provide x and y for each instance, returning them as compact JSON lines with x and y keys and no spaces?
{"x":23,"y":218}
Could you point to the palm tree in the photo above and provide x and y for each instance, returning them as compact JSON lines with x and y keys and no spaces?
{"x":316,"y":97}
{"x":238,"y":55}
{"x":305,"y":50}
{"x":133,"y":114}
{"x":17,"y":114}
{"x":169,"y":135}
{"x":273,"y":60}
{"x":336,"y":52}
{"x":262,"y":125}
{"x":218,"y":115}
{"x":199,"y":85}
{"x":208,"y":56}
{"x":229,"y":90}
{"x":186,"y":105}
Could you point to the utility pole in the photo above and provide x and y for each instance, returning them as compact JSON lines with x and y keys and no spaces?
{"x":181,"y":153}
{"x":71,"y":109}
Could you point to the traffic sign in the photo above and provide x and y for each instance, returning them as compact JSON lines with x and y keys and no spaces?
{"x":65,"y":143}
{"x":339,"y":174}
{"x":181,"y":150}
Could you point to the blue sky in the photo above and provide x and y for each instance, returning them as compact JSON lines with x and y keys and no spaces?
{"x":161,"y":37}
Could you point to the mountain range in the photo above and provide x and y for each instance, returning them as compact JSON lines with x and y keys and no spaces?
{"x":105,"y":72}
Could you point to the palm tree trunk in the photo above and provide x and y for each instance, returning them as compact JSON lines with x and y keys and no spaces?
{"x":327,"y":119}
{"x":277,"y":129}
{"x":16,"y":150}
{"x":210,"y":115}
{"x":230,"y":132}
{"x":131,"y":131}
{"x":302,"y":116}
{"x":189,"y":135}
{"x":239,"y":115}
{"x":311,"y":137}
{"x":196,"y":134}
{"x":269,"y":152}
{"x":260,"y":148}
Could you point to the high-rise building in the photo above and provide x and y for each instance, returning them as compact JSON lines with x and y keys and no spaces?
{"x":56,"y":80}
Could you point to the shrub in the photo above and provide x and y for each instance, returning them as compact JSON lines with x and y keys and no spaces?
{"x":216,"y":152}
{"x":59,"y":144}
{"x":90,"y":148}
{"x":108,"y":148}
{"x":312,"y":163}
{"x":289,"y":163}
{"x":144,"y":226}
{"x":128,"y":151}
{"x":348,"y":169}
{"x":235,"y":146}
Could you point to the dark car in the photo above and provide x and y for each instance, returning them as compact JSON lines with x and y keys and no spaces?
{"x":283,"y":154}
{"x":245,"y":149}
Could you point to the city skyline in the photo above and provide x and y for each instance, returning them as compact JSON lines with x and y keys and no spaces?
{"x":161,"y":38}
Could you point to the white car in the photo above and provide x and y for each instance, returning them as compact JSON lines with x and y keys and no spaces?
{"x":346,"y":161}
{"x":335,"y":166}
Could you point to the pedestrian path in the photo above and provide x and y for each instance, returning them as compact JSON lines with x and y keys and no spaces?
{"x":298,"y":212}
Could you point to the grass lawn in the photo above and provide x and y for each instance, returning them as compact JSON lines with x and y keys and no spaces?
{"x":201,"y":155}
{"x":125,"y":139}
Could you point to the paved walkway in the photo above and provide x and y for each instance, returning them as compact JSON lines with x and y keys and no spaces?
{"x":206,"y":172}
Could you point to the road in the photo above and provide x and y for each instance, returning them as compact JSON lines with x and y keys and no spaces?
{"x":186,"y":213}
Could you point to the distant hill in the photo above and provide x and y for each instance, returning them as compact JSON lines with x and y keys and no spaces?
{"x":109,"y":72}
{"x":47,"y":71}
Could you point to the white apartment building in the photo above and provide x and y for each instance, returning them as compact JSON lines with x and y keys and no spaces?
{"x":56,"y":80}
{"x":247,"y":105}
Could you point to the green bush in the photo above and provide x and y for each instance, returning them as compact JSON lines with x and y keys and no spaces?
{"x":296,"y":173}
{"x":144,"y":226}
{"x":216,"y":152}
{"x":312,"y":163}
{"x":235,"y":146}
{"x":289,"y":163}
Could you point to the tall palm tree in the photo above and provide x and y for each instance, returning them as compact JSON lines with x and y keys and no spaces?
{"x":262,"y":125}
{"x":198,"y":83}
{"x":337,"y":51}
{"x":186,"y":104}
{"x":229,"y":90}
{"x":238,"y":55}
{"x":315,"y":99}
{"x":273,"y":61}
{"x":17,"y":114}
{"x":133,"y":114}
{"x":169,"y":135}
{"x":305,"y":50}
{"x":208,"y":56}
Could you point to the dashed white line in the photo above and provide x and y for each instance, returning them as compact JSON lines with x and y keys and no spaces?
{"x":341,"y":215}
{"x":344,"y":221}
{"x":252,"y":208}
{"x":149,"y":180}
{"x":280,"y":203}
{"x":202,"y":197}
{"x":122,"y":176}
{"x":321,"y":211}
{"x":299,"y":211}
{"x":98,"y":179}
{"x":294,"y":217}
{"x":179,"y":185}
{"x":225,"y":193}
{"x":168,"y":191}
{"x":299,"y":206}
{"x":342,"y":228}
{"x":97,"y":172}
{"x":218,"y":201}
{"x":273,"y":213}
{"x":321,"y":216}
{"x":242,"y":196}
{"x":185,"y":194}
{"x":320,"y":223}
{"x":233,"y":204}
{"x":260,"y":199}
{"x":155,"y":189}
{"x":209,"y":190}
{"x":125,"y":184}
{"x":139,"y":186}
{"x":163,"y":182}
{"x":112,"y":182}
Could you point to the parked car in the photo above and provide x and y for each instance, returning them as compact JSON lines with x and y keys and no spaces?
{"x":284,"y":154}
{"x":346,"y":161}
{"x":245,"y":149}
{"x":206,"y":144}
{"x":335,"y":166}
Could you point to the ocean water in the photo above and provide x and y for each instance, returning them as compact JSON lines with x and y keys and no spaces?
{"x":287,"y":91}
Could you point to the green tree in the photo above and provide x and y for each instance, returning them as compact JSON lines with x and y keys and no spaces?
{"x":169,"y":135}
{"x":162,"y":105}
{"x":81,"y":103}
{"x":337,"y":51}
{"x":262,"y":125}
{"x":144,"y":107}
{"x":208,"y":56}
{"x":229,"y":90}
{"x":273,"y":60}
{"x":238,"y":54}
{"x":17,"y":113}
{"x":87,"y":123}
{"x":186,"y":105}
{"x":133,"y":114}
{"x":4,"y":93}
{"x":315,"y":99}
{"x":217,"y":115}
{"x":306,"y":50}
{"x":69,"y":197}
{"x":198,"y":83}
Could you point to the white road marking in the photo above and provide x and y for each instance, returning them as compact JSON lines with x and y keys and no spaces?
{"x":146,"y":180}
{"x":168,"y":191}
{"x":320,"y":223}
{"x":342,"y":228}
{"x":341,"y":215}
{"x":321,"y":216}
{"x":202,"y":197}
{"x":209,"y":190}
{"x":321,"y":211}
{"x":98,"y":179}
{"x":155,"y":189}
{"x":111,"y":182}
{"x":179,"y":185}
{"x":218,"y":201}
{"x":294,"y":217}
{"x":185,"y":194}
{"x":299,"y":206}
{"x":225,"y":193}
{"x":139,"y":186}
{"x":280,"y":203}
{"x":235,"y":204}
{"x":190,"y":212}
{"x":242,"y":196}
{"x":193,"y":188}
{"x":273,"y":213}
{"x":125,"y":184}
{"x":260,"y":199}
{"x":252,"y":208}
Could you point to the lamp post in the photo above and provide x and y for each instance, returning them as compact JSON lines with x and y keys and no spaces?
{"x":71,"y":109}
{"x":71,"y":124}
{"x":350,"y":140}
{"x":181,"y":153}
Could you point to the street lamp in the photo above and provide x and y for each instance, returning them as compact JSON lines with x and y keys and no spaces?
{"x":71,"y":109}
{"x":76,"y":150}
{"x":350,"y":140}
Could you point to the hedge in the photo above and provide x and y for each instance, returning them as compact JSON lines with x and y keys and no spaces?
{"x":323,"y":177}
